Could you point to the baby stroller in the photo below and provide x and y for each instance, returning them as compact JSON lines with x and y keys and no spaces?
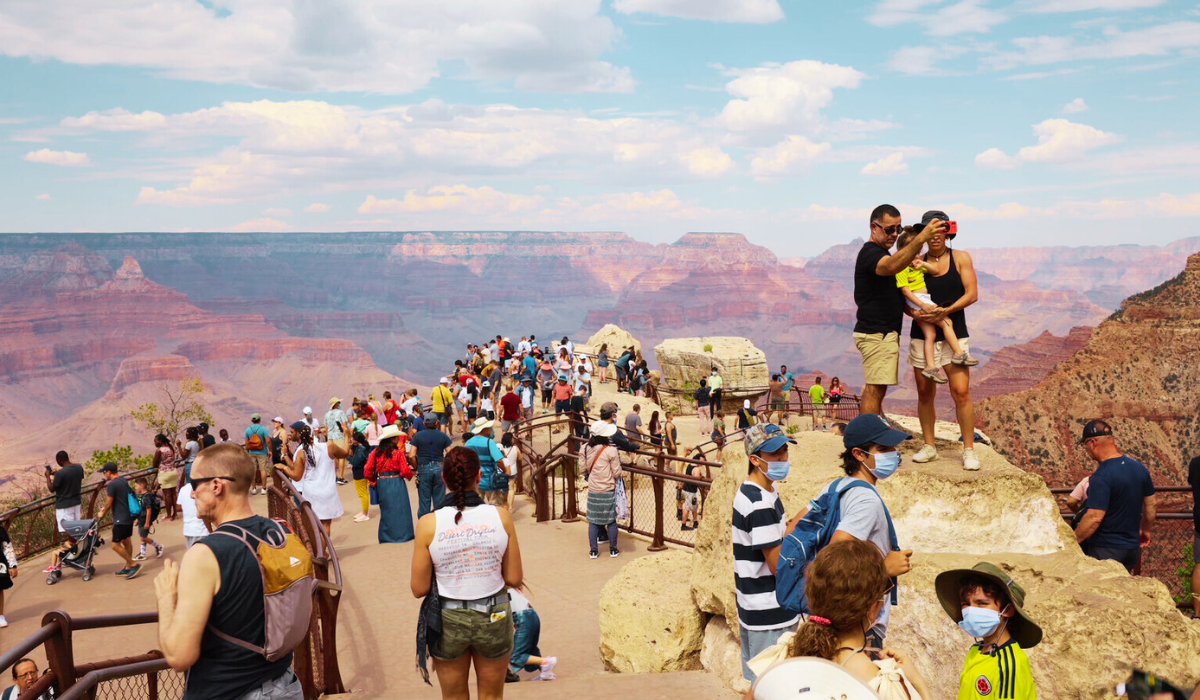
{"x":87,"y":540}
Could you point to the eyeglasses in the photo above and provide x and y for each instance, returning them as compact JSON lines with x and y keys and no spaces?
{"x":28,"y":674}
{"x":197,"y":481}
{"x":889,"y":230}
{"x":888,"y":591}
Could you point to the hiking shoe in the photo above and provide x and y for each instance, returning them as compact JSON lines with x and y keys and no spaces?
{"x":928,"y":453}
{"x":158,"y":550}
{"x":547,"y":667}
{"x":137,"y":569}
{"x":613,"y":553}
{"x":964,"y":359}
{"x":970,"y":461}
{"x":123,"y":572}
{"x":510,"y":677}
{"x":342,"y":482}
{"x":593,"y":554}
{"x":140,"y":556}
{"x":936,"y":375}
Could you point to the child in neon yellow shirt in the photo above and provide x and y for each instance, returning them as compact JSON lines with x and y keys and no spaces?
{"x":911,"y":281}
{"x":987,"y":604}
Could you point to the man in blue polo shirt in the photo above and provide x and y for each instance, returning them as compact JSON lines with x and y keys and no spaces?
{"x":789,"y":380}
{"x":1120,"y":501}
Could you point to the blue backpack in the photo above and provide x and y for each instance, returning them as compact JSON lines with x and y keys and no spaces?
{"x":811,"y":534}
{"x":492,"y":476}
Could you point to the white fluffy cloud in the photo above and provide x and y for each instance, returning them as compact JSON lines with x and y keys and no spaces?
{"x":67,"y":158}
{"x":256,"y":225}
{"x":1075,"y":106}
{"x":383,"y":46}
{"x":708,"y":162}
{"x":963,"y":17}
{"x":923,"y":60}
{"x":1059,"y":141}
{"x":892,"y":164}
{"x":1159,"y":40}
{"x":789,"y":96}
{"x":795,"y":155}
{"x":456,"y":198}
{"x":752,"y":11}
{"x":316,"y":208}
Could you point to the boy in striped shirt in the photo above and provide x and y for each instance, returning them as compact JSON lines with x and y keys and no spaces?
{"x":759,"y":526}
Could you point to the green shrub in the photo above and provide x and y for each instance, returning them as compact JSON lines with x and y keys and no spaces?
{"x":1185,"y":574}
{"x":708,"y":347}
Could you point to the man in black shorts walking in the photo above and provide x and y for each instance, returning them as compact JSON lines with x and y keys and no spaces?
{"x":117,"y":503}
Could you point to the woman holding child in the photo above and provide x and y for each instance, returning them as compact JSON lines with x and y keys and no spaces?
{"x":949,"y":276}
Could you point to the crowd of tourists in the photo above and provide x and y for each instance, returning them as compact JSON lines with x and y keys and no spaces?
{"x":820,"y":584}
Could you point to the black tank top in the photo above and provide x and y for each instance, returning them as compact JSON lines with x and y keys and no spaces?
{"x":226,"y":670}
{"x":944,"y":291}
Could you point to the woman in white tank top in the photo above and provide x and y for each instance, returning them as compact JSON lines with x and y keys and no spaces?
{"x":470,"y":549}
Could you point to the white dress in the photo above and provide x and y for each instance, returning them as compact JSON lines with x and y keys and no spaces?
{"x":319,"y":483}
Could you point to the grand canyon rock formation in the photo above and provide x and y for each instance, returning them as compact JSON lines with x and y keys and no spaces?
{"x":85,"y":344}
{"x":1139,"y":370}
{"x":1088,"y":609}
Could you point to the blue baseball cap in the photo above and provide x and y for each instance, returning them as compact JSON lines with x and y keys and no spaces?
{"x":765,"y":437}
{"x":872,"y":428}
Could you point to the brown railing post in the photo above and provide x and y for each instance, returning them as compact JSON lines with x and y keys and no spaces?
{"x":570,"y":469}
{"x":60,"y":656}
{"x":541,"y":485}
{"x":657,"y":544}
{"x":152,"y":685}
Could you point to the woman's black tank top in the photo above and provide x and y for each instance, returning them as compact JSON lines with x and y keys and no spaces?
{"x":944,"y":291}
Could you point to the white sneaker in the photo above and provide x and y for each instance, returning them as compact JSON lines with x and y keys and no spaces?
{"x":3,"y":621}
{"x":360,"y":518}
{"x":928,"y":453}
{"x":970,"y":461}
{"x":547,"y":668}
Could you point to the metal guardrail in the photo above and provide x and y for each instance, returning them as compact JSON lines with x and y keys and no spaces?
{"x":33,"y":528}
{"x":1173,"y":531}
{"x":652,"y":479}
{"x":149,"y":676}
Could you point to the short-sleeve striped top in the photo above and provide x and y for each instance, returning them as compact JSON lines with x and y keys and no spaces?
{"x":758,"y":524}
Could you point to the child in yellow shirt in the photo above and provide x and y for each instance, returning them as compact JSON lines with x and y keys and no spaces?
{"x":911,"y":282}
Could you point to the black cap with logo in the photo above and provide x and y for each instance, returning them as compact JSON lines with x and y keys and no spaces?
{"x":1094,"y":429}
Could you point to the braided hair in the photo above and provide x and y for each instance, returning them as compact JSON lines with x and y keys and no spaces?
{"x":305,"y":437}
{"x":460,"y":469}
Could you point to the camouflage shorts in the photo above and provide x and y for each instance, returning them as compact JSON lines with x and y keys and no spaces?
{"x":488,"y":634}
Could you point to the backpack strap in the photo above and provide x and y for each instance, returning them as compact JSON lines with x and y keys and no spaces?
{"x":244,"y":536}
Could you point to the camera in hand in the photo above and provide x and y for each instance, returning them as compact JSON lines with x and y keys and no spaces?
{"x":951,"y":228}
{"x":1142,"y":685}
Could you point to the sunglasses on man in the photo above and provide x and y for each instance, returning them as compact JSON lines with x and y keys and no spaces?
{"x":195,"y":482}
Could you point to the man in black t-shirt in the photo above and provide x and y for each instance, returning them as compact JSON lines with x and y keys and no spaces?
{"x":117,"y":503}
{"x":880,"y":303}
{"x":66,"y":484}
{"x":190,"y":612}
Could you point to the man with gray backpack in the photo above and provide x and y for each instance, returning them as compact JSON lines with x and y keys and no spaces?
{"x":849,"y":508}
{"x":241,"y":600}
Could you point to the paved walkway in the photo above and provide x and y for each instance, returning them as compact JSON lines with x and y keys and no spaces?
{"x":377,"y":620}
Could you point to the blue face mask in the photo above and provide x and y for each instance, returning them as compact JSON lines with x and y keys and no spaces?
{"x":886,"y":464}
{"x":979,"y":622}
{"x":778,"y":471}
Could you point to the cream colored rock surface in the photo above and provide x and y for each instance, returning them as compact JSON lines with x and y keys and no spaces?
{"x":684,"y":361}
{"x":721,"y":654}
{"x":1098,"y":621}
{"x":648,"y":623}
{"x":617,"y":339}
{"x":936,"y":507}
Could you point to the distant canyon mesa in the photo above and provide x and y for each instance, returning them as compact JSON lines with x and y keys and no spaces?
{"x":95,"y":323}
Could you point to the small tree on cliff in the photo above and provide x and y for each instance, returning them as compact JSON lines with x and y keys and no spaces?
{"x":122,"y":455}
{"x":180,"y":408}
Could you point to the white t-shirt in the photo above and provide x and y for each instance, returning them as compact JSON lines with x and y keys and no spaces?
{"x":468,"y":557}
{"x":519,"y":602}
{"x":410,"y":403}
{"x":192,"y":448}
{"x":864,"y":517}
{"x":486,"y":405}
{"x":193,"y":526}
{"x":510,"y":460}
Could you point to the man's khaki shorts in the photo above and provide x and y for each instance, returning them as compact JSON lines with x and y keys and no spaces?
{"x":262,"y":463}
{"x":880,"y":357}
{"x":941,"y":349}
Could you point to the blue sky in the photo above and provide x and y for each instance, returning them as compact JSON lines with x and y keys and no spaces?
{"x":1030,"y":122}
